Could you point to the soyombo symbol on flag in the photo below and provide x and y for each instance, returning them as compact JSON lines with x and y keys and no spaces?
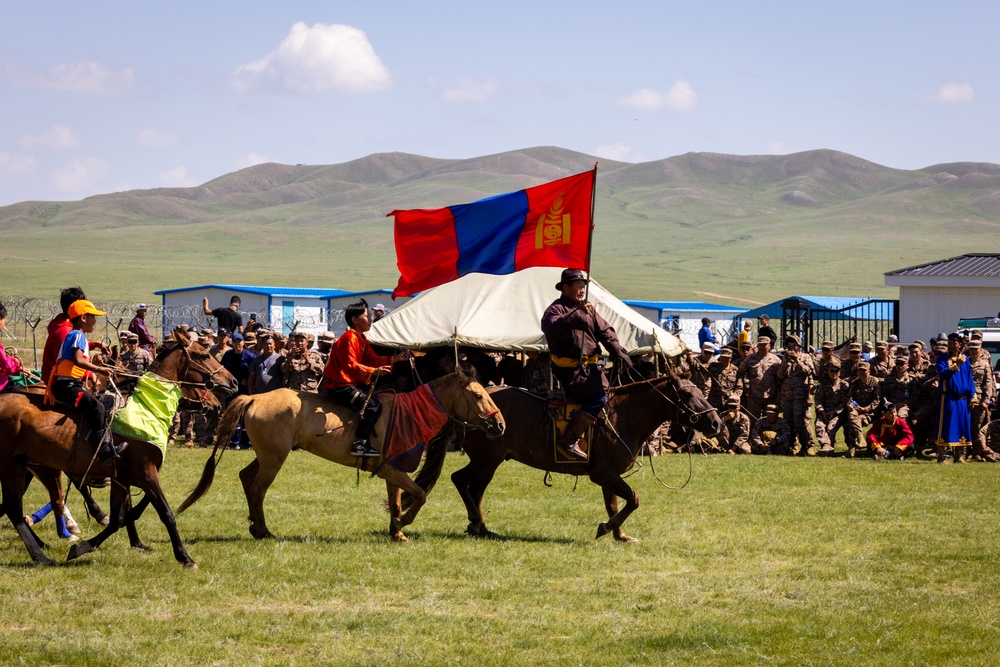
{"x":547,"y":225}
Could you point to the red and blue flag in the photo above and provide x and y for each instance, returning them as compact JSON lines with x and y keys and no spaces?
{"x":546,"y":225}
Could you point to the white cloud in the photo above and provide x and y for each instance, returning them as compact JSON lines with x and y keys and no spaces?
{"x":250,"y":160}
{"x":177,"y":177}
{"x":468,"y":90}
{"x":620,"y":152}
{"x":954,"y":93}
{"x":17,"y":164}
{"x":79,"y":174}
{"x":318,"y":59}
{"x":90,"y":78}
{"x":680,"y":97}
{"x":57,"y":136}
{"x":157,"y":139}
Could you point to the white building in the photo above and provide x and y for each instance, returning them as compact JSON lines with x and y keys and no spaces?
{"x":933,"y":297}
{"x":683,"y":318}
{"x":313,"y":310}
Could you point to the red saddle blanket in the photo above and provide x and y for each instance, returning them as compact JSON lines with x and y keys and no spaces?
{"x":416,"y":417}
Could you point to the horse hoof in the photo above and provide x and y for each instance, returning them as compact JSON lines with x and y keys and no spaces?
{"x":602,"y":530}
{"x":77,"y":550}
{"x":43,"y":560}
{"x":625,"y":538}
{"x":142,"y":547}
{"x":399,"y":537}
{"x":191,"y":566}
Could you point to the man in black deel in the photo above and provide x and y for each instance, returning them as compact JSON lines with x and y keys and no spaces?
{"x":573,"y":330}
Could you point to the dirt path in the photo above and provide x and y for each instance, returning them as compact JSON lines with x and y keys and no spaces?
{"x":731,"y":298}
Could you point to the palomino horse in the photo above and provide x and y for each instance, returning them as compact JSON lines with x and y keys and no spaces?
{"x":282,"y":420}
{"x":50,"y":438}
{"x":632,"y":413}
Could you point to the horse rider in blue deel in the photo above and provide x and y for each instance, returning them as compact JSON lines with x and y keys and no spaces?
{"x":573,"y":330}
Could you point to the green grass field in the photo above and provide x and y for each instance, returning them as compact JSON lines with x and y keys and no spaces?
{"x":769,"y":561}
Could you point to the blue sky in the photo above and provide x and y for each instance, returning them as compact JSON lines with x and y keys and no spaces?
{"x":109,"y":96}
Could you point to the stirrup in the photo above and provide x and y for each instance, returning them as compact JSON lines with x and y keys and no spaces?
{"x":363,"y":449}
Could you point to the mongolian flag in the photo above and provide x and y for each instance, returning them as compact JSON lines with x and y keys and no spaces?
{"x":547,"y":225}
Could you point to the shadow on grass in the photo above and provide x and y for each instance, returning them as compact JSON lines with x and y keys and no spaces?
{"x":528,"y":539}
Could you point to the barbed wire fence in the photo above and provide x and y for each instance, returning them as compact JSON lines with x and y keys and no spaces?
{"x":28,"y":319}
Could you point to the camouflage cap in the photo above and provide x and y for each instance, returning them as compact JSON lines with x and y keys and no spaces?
{"x":863,"y":365}
{"x":327,"y":336}
{"x":827,"y":345}
{"x":771,"y":409}
{"x":882,"y":345}
{"x":726,"y":352}
{"x":733,"y":402}
{"x":855,"y":347}
{"x":975,"y":344}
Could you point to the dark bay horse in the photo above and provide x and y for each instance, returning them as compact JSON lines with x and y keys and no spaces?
{"x":282,"y":420}
{"x":50,"y":438}
{"x":633,"y":412}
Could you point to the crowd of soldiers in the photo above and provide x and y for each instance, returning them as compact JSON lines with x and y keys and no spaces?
{"x":790,"y":402}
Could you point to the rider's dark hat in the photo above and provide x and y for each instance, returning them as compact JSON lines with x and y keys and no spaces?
{"x":571,"y":275}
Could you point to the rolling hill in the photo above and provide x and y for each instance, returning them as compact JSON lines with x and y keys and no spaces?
{"x":699,"y":226}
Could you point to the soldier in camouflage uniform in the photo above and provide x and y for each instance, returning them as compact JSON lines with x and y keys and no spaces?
{"x":831,"y":401}
{"x":823,"y":361}
{"x":849,"y":365}
{"x":771,"y":434}
{"x":991,"y":442}
{"x":324,"y":343}
{"x":864,"y":400}
{"x":986,"y":392}
{"x":897,"y":388}
{"x":698,"y":368}
{"x":303,"y":367}
{"x":758,"y":376}
{"x":735,"y":437}
{"x":881,"y":363}
{"x":724,"y":383}
{"x":796,"y":374}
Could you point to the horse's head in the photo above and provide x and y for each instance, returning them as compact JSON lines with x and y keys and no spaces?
{"x":695,"y":410}
{"x":204,"y":381}
{"x":468,"y":402}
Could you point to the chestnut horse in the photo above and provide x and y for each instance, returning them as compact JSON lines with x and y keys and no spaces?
{"x":50,"y":438}
{"x":631,"y":415}
{"x":282,"y":420}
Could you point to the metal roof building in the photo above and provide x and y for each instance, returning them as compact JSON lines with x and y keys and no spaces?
{"x":934,"y":296}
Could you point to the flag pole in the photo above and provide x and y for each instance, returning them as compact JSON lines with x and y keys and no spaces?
{"x":590,"y":242}
{"x":590,"y":239}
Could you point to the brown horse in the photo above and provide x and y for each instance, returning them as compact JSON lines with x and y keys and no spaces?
{"x":632,"y":413}
{"x":50,"y":438}
{"x":282,"y":420}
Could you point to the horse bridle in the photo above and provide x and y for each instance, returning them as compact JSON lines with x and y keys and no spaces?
{"x":692,"y":416}
{"x":482,"y":416}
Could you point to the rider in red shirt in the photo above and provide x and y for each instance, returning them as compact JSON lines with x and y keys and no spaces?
{"x":350,"y":374}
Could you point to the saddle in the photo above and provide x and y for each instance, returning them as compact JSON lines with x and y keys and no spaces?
{"x":559,"y":414}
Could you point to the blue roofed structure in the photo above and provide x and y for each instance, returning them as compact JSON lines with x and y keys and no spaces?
{"x":861,"y":308}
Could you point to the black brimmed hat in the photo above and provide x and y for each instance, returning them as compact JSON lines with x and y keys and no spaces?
{"x":571,"y":275}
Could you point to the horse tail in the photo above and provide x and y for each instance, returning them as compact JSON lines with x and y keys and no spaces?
{"x":230,"y":418}
{"x":430,"y":469}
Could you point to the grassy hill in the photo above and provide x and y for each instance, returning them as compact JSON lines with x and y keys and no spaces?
{"x":700,"y":226}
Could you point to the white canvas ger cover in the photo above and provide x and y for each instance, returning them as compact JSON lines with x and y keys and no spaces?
{"x":505,"y":313}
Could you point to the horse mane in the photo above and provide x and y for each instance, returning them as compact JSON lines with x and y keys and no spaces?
{"x":641,"y":385}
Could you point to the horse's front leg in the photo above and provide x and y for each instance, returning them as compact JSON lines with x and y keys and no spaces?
{"x":614,"y":487}
{"x":394,"y":481}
